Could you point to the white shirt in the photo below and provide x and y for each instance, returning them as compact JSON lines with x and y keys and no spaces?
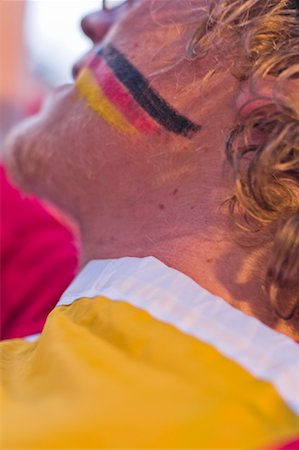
{"x":174,"y":298}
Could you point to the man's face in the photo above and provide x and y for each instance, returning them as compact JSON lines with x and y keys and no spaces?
{"x":138,"y":112}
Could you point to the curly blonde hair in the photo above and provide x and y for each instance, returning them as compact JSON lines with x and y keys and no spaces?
{"x":263,"y":148}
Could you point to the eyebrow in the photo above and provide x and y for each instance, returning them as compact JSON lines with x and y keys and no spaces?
{"x":145,"y":95}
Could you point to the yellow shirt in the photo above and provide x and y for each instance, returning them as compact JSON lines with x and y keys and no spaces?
{"x":107,"y":374}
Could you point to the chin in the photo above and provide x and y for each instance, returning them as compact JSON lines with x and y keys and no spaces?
{"x":31,"y":146}
{"x":21,"y":156}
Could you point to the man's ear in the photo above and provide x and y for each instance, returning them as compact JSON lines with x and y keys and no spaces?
{"x":259,"y":92}
{"x":255,"y":94}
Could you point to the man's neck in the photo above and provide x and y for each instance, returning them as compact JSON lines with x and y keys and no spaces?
{"x":203,"y":249}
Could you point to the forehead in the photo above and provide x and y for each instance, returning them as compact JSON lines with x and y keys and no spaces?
{"x":165,"y":15}
{"x":159,"y":29}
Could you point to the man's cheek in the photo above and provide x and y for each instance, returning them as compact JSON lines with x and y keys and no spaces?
{"x":122,"y":96}
{"x":96,"y":98}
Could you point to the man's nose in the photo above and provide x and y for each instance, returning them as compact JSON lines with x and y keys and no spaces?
{"x":96,"y":25}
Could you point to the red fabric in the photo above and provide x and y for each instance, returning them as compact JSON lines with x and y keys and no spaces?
{"x":294,"y":445}
{"x":38,"y":261}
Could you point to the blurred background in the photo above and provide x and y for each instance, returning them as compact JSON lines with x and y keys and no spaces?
{"x":39,"y":41}
{"x":53,"y":36}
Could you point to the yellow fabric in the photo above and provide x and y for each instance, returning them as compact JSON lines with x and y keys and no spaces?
{"x":105,"y":374}
{"x":97,"y":100}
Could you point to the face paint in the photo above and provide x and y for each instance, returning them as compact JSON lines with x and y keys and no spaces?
{"x":122,"y":96}
{"x":90,"y":90}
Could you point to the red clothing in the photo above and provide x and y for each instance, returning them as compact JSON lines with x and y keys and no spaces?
{"x":294,"y":445}
{"x":36,"y":251}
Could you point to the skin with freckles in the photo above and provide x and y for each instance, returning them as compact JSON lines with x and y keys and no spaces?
{"x":137,"y":190}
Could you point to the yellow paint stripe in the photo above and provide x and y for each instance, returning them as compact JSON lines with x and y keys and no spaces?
{"x":90,"y":90}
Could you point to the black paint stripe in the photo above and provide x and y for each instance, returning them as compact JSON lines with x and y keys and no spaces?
{"x":145,"y":96}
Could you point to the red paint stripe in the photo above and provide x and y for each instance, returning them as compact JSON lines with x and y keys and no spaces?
{"x":121,"y":98}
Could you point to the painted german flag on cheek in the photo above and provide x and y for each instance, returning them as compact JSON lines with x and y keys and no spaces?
{"x":122,"y":96}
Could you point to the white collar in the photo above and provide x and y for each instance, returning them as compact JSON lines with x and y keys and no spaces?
{"x":174,"y":298}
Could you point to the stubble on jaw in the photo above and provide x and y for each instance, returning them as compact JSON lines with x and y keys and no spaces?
{"x":17,"y":158}
{"x":35,"y":148}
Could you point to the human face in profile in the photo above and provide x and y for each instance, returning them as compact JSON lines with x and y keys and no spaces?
{"x":136,"y":95}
